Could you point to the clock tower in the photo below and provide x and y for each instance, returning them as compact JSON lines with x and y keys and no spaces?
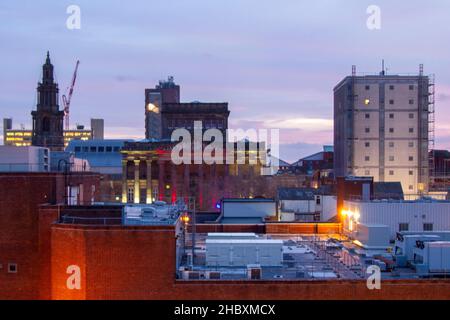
{"x":47,"y":118}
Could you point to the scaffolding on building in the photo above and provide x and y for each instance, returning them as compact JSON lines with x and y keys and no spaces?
{"x":431,"y":128}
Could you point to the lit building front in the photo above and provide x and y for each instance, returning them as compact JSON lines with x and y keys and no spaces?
{"x":148,"y":174}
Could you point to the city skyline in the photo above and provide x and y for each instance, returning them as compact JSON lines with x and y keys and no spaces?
{"x":275,"y":67}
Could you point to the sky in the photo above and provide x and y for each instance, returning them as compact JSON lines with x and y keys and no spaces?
{"x":274,"y":62}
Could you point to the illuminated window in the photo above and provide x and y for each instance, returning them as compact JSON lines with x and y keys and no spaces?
{"x":366,"y":101}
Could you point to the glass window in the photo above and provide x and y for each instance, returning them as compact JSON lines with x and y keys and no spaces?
{"x":391,"y":87}
{"x":108,"y":149}
{"x":367,"y":130}
{"x":367,"y":144}
{"x":411,"y":87}
{"x":391,"y":172}
{"x":391,"y":101}
{"x":367,"y":87}
{"x":411,"y":115}
{"x":427,"y":227}
{"x":77,"y":149}
{"x":403,"y":227}
{"x":367,"y":115}
{"x":391,"y":116}
{"x":101,"y":149}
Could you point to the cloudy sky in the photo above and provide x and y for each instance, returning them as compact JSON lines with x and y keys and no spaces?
{"x":275,"y":62}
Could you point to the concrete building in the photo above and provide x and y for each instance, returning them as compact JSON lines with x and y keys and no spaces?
{"x":24,"y":159}
{"x":164,"y":112}
{"x":97,"y":129}
{"x":381,"y":128}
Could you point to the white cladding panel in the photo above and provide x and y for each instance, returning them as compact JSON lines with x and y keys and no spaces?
{"x":251,"y":209}
{"x":240,"y":253}
{"x":392,"y":214}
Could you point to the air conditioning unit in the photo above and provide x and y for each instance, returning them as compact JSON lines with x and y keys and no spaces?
{"x":213,"y":275}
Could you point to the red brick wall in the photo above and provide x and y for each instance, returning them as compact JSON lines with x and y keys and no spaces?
{"x":20,"y":239}
{"x":115,"y":262}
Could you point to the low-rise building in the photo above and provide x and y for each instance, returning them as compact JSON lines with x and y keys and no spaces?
{"x":24,"y":159}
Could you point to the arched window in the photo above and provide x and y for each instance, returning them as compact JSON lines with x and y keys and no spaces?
{"x":46,"y":124}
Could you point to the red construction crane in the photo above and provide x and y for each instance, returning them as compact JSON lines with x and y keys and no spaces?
{"x":66,"y":100}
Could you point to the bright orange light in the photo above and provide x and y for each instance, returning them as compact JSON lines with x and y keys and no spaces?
{"x":185,"y":218}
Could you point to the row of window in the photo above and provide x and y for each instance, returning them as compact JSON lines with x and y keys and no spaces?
{"x":391,"y":158}
{"x":391,"y":115}
{"x":405,"y":227}
{"x":391,"y":101}
{"x":391,"y":172}
{"x":392,"y":87}
{"x":12,"y":267}
{"x":391,"y":144}
{"x":391,"y":130}
{"x":97,"y":149}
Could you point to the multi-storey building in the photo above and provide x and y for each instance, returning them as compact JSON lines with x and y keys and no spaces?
{"x":22,"y":137}
{"x":381,"y":128}
{"x":164,"y":112}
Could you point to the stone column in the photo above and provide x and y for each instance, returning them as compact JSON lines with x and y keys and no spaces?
{"x":136,"y":181}
{"x":124,"y":181}
{"x":161,"y":178}
{"x":149,"y":181}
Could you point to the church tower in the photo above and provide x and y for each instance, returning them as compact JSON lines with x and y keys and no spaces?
{"x":48,"y":119}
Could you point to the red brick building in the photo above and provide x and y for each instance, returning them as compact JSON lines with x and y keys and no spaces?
{"x":21,"y":227}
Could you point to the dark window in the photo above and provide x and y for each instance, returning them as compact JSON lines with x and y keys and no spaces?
{"x":367,"y":158}
{"x":85,"y":149}
{"x":93,"y":149}
{"x":403,"y":227}
{"x":108,"y":149}
{"x":367,"y":87}
{"x":367,"y":144}
{"x":391,"y":116}
{"x":116,"y":149}
{"x":367,"y":115}
{"x":391,"y":87}
{"x":411,"y":101}
{"x":391,"y":101}
{"x":411,"y":115}
{"x":101,"y":149}
{"x":367,"y":130}
{"x":411,"y":158}
{"x":77,"y":149}
{"x":411,"y":172}
{"x":427,"y":227}
{"x":12,"y":268}
{"x":46,"y":125}
{"x":411,"y":87}
{"x":391,"y":172}
{"x":391,"y":130}
{"x":317,"y":200}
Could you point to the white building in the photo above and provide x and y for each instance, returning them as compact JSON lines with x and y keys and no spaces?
{"x":398,"y":215}
{"x":306,"y":204}
{"x":381,"y":127}
{"x":24,"y":159}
